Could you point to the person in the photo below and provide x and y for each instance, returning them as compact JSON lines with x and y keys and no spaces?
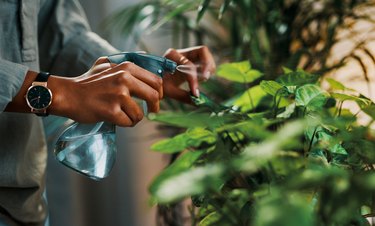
{"x":53,"y":36}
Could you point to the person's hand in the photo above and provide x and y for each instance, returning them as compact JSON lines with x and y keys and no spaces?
{"x":105,"y":92}
{"x":200,"y":61}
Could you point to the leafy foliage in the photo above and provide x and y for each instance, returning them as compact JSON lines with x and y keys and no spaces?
{"x":275,"y":148}
{"x":273,"y":164}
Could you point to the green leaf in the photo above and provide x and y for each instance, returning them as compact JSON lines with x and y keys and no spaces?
{"x":204,"y":101}
{"x":279,"y":208}
{"x":202,"y":9}
{"x":311,"y":96}
{"x":183,"y":163}
{"x":249,"y":128}
{"x":287,"y":70}
{"x":344,"y":97}
{"x":273,"y":88}
{"x":191,"y":138}
{"x":338,"y":149}
{"x":370,"y":110}
{"x":255,"y":156}
{"x":250,"y":98}
{"x":192,"y":181}
{"x":289,"y":110}
{"x":189,"y":120}
{"x":297,"y":78}
{"x":211,"y":219}
{"x":338,"y":85}
{"x":238,"y":72}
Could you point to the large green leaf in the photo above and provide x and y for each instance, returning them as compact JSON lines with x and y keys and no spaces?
{"x":189,"y":120}
{"x":191,"y":138}
{"x":338,"y":85}
{"x":297,"y":78}
{"x":249,"y":128}
{"x":183,"y":163}
{"x":255,"y":156}
{"x":311,"y":96}
{"x":273,"y":88}
{"x":238,"y":72}
{"x":278,"y":208}
{"x":250,"y":98}
{"x":345,"y":97}
{"x":192,"y":181}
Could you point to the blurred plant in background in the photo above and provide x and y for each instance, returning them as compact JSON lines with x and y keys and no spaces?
{"x":269,"y":33}
{"x":275,"y":148}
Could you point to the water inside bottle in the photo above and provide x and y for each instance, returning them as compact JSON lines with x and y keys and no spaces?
{"x":89,"y":149}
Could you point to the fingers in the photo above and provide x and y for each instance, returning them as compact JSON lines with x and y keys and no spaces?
{"x":201,"y":55}
{"x":136,"y":81}
{"x":143,"y":75}
{"x":138,"y":88}
{"x":101,"y":65}
{"x":111,"y":93}
{"x":132,"y":111}
{"x":208,"y":62}
{"x":128,"y":114}
{"x":191,"y":76}
{"x":178,"y":94}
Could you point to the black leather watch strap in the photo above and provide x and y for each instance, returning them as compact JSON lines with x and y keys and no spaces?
{"x":42,"y":77}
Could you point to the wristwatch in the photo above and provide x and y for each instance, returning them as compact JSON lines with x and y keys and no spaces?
{"x":38,"y":96}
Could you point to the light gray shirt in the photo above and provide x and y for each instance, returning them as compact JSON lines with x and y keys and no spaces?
{"x":48,"y":35}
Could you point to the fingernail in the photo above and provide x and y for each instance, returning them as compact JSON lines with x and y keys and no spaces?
{"x":206,"y":74}
{"x":197,"y":93}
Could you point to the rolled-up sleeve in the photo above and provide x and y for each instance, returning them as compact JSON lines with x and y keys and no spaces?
{"x":12,"y":76}
{"x":67,"y":46}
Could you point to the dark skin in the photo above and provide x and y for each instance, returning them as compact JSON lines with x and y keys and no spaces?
{"x":106,"y":91}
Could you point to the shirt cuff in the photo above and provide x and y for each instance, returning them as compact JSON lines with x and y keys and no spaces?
{"x":12,"y":76}
{"x":80,"y":54}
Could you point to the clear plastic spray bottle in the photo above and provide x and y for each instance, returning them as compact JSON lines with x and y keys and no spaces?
{"x":90,"y":149}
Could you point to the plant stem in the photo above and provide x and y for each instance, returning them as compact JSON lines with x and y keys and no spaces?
{"x":311,"y":141}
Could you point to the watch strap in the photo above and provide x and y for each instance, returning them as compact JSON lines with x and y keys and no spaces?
{"x":42,"y":114}
{"x":42,"y":77}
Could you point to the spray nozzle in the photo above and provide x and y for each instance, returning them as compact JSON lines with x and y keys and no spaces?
{"x":155,"y":64}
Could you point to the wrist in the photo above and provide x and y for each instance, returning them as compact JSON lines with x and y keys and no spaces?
{"x":59,"y":87}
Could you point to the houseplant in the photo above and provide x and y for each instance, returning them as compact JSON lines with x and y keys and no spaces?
{"x":278,"y":149}
{"x":296,"y":157}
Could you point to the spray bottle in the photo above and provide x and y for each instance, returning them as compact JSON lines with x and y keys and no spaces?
{"x":90,"y":149}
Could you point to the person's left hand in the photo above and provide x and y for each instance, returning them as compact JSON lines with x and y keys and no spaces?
{"x":202,"y":63}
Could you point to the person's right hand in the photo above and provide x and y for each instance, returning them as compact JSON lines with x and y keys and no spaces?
{"x":105,"y":93}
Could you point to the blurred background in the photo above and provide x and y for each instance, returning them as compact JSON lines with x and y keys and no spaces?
{"x":122,"y":198}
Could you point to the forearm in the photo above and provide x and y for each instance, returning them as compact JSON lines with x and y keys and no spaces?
{"x":104,"y":93}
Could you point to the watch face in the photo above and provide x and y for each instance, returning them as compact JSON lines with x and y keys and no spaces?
{"x":39,"y":97}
